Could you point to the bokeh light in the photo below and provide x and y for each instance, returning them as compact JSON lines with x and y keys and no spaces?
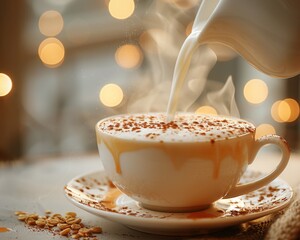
{"x":51,"y":52}
{"x":286,"y":110}
{"x":5,"y":84}
{"x":274,"y":111}
{"x":281,"y":111}
{"x":264,"y":129}
{"x":121,"y":9}
{"x":111,"y":95}
{"x":129,"y":56}
{"x":256,"y":91}
{"x":206,"y":110}
{"x":51,"y":23}
{"x":294,"y":109}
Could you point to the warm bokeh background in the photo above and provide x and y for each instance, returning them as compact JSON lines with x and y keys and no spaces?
{"x":65,"y":64}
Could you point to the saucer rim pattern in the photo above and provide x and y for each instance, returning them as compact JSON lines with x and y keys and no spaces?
{"x":165,"y":225}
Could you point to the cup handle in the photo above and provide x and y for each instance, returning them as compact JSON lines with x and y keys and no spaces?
{"x":241,"y":189}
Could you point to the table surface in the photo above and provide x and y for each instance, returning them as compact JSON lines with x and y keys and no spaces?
{"x":36,"y":186}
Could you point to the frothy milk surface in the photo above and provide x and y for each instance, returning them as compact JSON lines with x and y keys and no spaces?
{"x":186,"y":127}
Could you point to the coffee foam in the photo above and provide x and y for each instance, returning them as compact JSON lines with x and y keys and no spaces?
{"x":186,"y":127}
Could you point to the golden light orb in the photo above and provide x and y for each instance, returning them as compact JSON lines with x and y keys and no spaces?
{"x":129,"y":56}
{"x":51,"y":23}
{"x":121,"y":9}
{"x":5,"y":84}
{"x":294,"y":109}
{"x":111,"y":95}
{"x":264,"y":129}
{"x":281,"y":111}
{"x":256,"y":91}
{"x":51,"y":52}
{"x":206,"y":110}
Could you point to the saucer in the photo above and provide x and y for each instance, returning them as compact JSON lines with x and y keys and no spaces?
{"x":94,"y":193}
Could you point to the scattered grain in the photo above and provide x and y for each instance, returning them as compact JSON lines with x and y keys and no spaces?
{"x":75,"y":226}
{"x":65,"y":232}
{"x":40,"y":222}
{"x":71,"y":214}
{"x":62,"y":226}
{"x":22,"y":217}
{"x":18,"y":213}
{"x":69,"y":226}
{"x":52,"y":221}
{"x":48,"y":212}
{"x":75,"y":236}
{"x":96,"y":230}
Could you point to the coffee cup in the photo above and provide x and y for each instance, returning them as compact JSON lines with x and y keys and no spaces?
{"x":185,"y":164}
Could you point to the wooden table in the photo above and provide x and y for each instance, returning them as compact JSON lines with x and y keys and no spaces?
{"x":37,"y":185}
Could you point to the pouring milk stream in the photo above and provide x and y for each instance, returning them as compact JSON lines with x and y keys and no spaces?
{"x":266,"y":33}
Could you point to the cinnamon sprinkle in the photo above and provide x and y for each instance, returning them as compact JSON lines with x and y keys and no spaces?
{"x":155,"y":126}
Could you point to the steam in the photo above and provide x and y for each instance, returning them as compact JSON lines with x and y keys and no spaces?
{"x":161,"y":45}
{"x":223,"y":100}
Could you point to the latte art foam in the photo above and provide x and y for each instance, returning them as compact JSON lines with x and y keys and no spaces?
{"x":186,"y":127}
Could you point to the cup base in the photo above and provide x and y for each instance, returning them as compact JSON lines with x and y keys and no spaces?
{"x":174,"y":209}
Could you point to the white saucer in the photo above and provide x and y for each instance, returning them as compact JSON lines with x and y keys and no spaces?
{"x":94,"y":193}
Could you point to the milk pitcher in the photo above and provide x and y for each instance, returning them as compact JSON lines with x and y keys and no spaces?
{"x":266,"y":33}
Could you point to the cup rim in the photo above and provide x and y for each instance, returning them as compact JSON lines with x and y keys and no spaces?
{"x":99,"y":131}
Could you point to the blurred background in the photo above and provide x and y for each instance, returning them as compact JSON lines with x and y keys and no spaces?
{"x":65,"y":64}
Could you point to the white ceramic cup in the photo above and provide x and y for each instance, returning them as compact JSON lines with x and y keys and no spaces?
{"x":183,"y":165}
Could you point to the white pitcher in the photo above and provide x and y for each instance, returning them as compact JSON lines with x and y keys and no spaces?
{"x":264,"y":32}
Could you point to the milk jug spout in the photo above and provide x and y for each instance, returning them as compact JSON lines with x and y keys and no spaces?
{"x":266,"y":33}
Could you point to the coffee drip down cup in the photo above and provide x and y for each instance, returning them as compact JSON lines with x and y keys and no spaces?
{"x":185,"y":165}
